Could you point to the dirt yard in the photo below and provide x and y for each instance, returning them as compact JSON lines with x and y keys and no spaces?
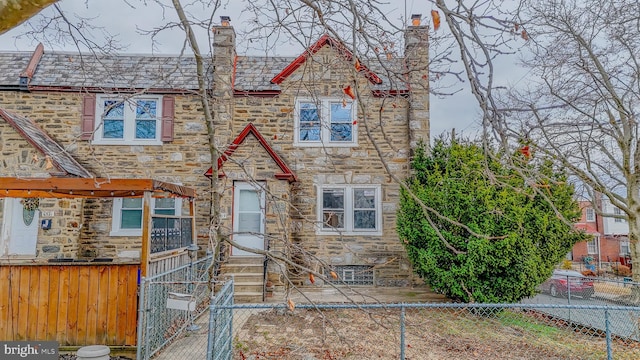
{"x":430,"y":334}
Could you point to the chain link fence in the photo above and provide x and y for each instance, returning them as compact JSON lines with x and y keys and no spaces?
{"x":409,"y":331}
{"x":435,"y":331}
{"x":169,"y":303}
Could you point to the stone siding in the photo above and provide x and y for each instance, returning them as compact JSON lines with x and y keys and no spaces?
{"x":381,"y":157}
{"x":315,"y":166}
{"x":182,"y":161}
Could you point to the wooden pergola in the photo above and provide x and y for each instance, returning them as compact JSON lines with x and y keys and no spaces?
{"x":55,"y":187}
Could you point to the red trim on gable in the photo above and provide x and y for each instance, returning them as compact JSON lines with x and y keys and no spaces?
{"x":324,"y":40}
{"x":286,"y":173}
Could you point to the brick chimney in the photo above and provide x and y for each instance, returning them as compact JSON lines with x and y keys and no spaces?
{"x":416,"y":54}
{"x":224,"y":54}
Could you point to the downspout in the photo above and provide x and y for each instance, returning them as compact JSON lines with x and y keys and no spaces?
{"x":599,"y":255}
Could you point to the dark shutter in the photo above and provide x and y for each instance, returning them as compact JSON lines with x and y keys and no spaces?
{"x":88,"y":116}
{"x":168,"y":111}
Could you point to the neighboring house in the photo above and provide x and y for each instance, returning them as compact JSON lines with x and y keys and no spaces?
{"x":301,"y":174}
{"x":610,"y":241}
{"x":615,"y":233}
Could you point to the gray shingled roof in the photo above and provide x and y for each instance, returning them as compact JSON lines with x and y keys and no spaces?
{"x":254,"y":73}
{"x":49,"y":147}
{"x":70,"y":70}
{"x":11,"y":65}
{"x":119,"y":71}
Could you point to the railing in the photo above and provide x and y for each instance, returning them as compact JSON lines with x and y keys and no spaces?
{"x":170,"y":232}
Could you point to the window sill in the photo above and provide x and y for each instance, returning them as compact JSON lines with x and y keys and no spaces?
{"x":132,"y":232}
{"x":329,"y":144}
{"x":348,"y":233}
{"x":127,"y":142}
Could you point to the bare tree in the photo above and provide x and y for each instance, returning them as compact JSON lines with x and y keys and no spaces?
{"x":472,"y":41}
{"x":582,"y":104}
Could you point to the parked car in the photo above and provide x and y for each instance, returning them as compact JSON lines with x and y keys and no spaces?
{"x":578,"y":284}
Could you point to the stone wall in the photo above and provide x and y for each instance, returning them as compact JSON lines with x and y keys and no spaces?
{"x":183,"y":161}
{"x":382,"y":134}
{"x":380,"y":158}
{"x":20,"y":159}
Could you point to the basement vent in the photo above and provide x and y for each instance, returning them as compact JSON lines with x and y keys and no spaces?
{"x":352,"y":275}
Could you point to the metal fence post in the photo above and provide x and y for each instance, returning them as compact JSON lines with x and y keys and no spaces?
{"x":211,"y":335}
{"x":608,"y":332}
{"x":231,"y":313}
{"x":402,"y":328}
{"x":141,"y":319}
{"x":569,"y":296}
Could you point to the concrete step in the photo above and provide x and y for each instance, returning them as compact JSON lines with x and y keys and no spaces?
{"x":240,"y":269}
{"x":248,"y":275}
{"x":245,"y":260}
{"x":243,"y":265}
{"x":247,"y":297}
{"x":251,"y":287}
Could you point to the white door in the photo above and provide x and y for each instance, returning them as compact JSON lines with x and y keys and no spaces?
{"x":19,"y":229}
{"x":248,"y":218}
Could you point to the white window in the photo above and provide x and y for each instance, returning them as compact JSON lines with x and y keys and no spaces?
{"x":592,"y":246}
{"x":130,"y":121}
{"x":590,"y":215}
{"x":348,"y":275}
{"x":127,"y":214}
{"x":350,"y":209}
{"x":325,"y":122}
{"x":624,"y":248}
{"x":617,"y":211}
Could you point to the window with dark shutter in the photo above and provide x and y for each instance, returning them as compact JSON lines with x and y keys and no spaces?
{"x":168,"y":111}
{"x":88,"y":116}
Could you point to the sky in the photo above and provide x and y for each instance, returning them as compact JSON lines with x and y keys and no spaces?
{"x":125,"y":19}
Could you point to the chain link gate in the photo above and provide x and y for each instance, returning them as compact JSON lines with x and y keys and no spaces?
{"x":220,"y":340}
{"x":160,"y":321}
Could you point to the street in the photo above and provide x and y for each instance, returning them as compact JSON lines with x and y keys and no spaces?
{"x":623,"y":323}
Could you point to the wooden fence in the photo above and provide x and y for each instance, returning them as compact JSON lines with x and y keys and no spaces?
{"x":77,"y":305}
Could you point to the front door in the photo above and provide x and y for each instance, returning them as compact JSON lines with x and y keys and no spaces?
{"x":248,"y":218}
{"x":19,"y":229}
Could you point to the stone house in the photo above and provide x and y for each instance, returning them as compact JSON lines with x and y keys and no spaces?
{"x":313,"y":147}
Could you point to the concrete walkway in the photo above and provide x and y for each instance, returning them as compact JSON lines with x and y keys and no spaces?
{"x":361,"y":294}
